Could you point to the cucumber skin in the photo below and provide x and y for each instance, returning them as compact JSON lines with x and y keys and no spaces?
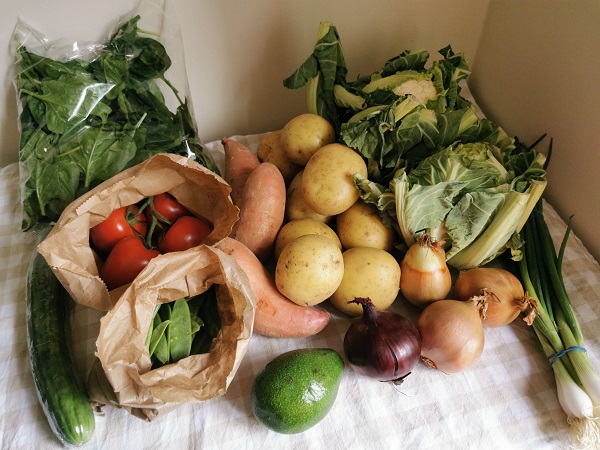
{"x":64,"y":401}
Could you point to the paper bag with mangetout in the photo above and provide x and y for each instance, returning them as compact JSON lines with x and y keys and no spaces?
{"x":126,"y":375}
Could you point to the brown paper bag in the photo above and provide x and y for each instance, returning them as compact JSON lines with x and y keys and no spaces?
{"x":67,"y":249}
{"x":121,"y":347}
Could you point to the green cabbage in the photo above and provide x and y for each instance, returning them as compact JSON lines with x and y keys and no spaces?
{"x":474,"y":197}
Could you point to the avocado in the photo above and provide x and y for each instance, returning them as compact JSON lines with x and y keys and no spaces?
{"x":296,"y":390}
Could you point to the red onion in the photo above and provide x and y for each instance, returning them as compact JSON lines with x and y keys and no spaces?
{"x":382,"y":344}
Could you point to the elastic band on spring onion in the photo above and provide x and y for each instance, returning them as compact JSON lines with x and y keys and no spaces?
{"x":555,"y":356}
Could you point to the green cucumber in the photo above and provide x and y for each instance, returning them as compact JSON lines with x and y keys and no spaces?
{"x":60,"y":391}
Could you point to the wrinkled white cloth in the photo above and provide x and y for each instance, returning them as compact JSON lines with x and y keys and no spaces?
{"x":506,"y":400}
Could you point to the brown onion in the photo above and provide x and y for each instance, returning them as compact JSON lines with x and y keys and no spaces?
{"x":425,"y":277}
{"x":452,"y":336}
{"x":382,"y":344}
{"x":503,"y":290}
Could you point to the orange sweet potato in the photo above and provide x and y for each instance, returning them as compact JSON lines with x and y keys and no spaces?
{"x":262,"y":210}
{"x":240,"y":161}
{"x":275,"y":315}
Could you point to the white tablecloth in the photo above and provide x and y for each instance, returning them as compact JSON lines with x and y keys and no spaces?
{"x":507,"y":400}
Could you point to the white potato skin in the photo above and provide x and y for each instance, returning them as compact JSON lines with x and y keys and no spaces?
{"x":296,"y":206}
{"x":328,"y":179}
{"x":301,"y":227}
{"x":361,"y":226}
{"x":368,"y":272}
{"x":303,"y":135}
{"x":270,"y":150}
{"x":309,"y":269}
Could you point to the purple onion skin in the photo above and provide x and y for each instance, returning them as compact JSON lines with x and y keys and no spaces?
{"x":382,"y":344}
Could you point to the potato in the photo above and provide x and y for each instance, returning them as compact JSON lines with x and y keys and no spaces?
{"x":301,"y":227}
{"x":368,"y":272}
{"x":270,"y":150}
{"x":295,"y":205}
{"x":309,"y":269}
{"x":304,"y":135}
{"x":328,"y":179}
{"x":361,"y":226}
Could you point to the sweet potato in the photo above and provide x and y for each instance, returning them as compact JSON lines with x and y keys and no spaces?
{"x":262,"y":210}
{"x":275,"y":315}
{"x":240,"y":161}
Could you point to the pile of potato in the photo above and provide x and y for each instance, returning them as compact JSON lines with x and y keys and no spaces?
{"x":333,"y":245}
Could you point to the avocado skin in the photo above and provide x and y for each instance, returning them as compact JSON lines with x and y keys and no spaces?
{"x":296,"y":390}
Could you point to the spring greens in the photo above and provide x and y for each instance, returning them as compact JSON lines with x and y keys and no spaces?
{"x":398,"y":115}
{"x":83,"y":122}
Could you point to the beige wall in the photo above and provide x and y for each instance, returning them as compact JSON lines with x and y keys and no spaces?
{"x":538,"y":71}
{"x":244,"y":50}
{"x":238,"y":52}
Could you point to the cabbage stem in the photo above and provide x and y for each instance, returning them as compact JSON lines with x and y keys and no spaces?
{"x":498,"y":232}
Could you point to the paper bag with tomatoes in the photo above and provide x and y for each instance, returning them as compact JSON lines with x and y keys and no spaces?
{"x":104,"y":238}
{"x":175,"y":335}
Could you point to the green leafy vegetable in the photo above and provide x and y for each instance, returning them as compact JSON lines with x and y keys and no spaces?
{"x":322,"y":70}
{"x":83,"y":122}
{"x":474,"y":197}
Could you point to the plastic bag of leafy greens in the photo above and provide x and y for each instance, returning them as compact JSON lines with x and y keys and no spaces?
{"x":89,"y":110}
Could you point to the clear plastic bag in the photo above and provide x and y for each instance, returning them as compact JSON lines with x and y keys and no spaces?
{"x":87,"y":111}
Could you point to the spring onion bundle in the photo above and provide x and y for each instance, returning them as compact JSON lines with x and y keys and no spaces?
{"x":558,"y":331}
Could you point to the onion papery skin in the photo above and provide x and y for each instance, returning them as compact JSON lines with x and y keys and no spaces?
{"x":382,"y":345}
{"x":452,"y":334}
{"x":506,"y":298}
{"x":425,"y":276}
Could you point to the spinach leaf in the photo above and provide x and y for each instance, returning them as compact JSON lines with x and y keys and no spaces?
{"x":69,"y":101}
{"x":51,"y":199}
{"x":104,"y":153}
{"x":83,"y":122}
{"x":152,"y":60}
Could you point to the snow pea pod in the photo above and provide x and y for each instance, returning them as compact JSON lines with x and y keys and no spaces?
{"x":182,"y":328}
{"x":157,"y":334}
{"x":180,"y":331}
{"x":161,"y":351}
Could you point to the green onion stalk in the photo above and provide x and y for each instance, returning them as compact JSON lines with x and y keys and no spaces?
{"x":558,"y":332}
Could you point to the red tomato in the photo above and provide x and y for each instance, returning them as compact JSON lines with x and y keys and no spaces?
{"x":125,"y":261}
{"x":122,"y":222}
{"x":166,"y":206}
{"x":185,"y":233}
